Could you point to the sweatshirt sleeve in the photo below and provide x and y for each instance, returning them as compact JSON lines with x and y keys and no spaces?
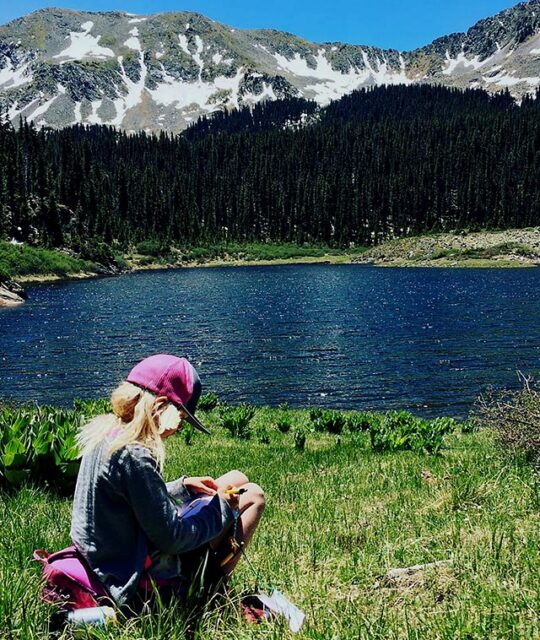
{"x":156,"y":512}
{"x":178,"y":491}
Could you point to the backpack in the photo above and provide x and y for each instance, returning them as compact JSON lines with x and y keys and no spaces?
{"x":69,"y":582}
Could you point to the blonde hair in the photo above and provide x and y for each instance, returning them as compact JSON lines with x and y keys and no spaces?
{"x":134,"y":420}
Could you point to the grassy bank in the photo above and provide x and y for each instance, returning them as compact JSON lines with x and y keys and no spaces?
{"x":20,"y":261}
{"x":339,"y":517}
{"x":32,"y":264}
{"x":153,"y":254}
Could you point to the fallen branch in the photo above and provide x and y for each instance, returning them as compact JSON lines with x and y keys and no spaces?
{"x":410,"y":576}
{"x":396,"y":574}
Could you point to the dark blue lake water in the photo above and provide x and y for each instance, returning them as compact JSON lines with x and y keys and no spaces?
{"x":429,"y":340}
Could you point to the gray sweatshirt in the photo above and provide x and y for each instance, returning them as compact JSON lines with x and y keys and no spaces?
{"x":123,"y":511}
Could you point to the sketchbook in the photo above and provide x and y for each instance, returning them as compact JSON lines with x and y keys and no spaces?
{"x":194,"y":507}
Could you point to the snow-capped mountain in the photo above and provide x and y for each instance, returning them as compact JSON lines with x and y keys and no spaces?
{"x":160,"y":72}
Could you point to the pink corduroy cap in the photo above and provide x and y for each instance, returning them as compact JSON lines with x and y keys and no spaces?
{"x":172,"y":377}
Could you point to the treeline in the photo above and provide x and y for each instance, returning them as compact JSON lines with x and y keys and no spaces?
{"x":379,"y":163}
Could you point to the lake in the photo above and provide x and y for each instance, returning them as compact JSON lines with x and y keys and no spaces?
{"x":345,"y":336}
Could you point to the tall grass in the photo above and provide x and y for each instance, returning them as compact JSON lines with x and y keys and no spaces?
{"x":338,"y":517}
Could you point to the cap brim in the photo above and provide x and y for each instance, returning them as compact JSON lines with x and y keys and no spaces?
{"x":194,"y":422}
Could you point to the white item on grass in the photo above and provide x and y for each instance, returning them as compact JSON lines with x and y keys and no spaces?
{"x":92,"y":617}
{"x":278,"y":603}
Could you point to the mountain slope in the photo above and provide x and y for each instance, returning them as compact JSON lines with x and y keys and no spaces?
{"x":161,"y":72}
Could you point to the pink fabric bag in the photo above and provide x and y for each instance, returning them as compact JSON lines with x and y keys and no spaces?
{"x":69,"y":581}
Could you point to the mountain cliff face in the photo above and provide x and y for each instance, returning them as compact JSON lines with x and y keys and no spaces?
{"x":161,"y":72}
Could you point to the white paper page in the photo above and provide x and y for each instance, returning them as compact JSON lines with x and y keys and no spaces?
{"x":278,"y":602}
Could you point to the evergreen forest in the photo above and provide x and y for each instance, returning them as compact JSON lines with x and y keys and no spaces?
{"x":379,"y":163}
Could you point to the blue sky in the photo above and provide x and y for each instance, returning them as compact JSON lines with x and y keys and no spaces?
{"x":399,"y":24}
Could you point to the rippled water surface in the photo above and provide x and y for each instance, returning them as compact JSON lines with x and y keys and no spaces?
{"x":339,"y":336}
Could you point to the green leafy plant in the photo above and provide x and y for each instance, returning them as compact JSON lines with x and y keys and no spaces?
{"x":401,"y":430}
{"x":358,"y":421}
{"x":92,"y":408}
{"x":300,"y":437}
{"x":38,"y":443}
{"x":25,"y":260}
{"x":152,"y":248}
{"x":262,"y":434}
{"x":187,"y":433}
{"x":208,"y":401}
{"x":315,"y":415}
{"x":328,"y":421}
{"x":236,"y":420}
{"x":284,"y":423}
{"x":470,"y":425}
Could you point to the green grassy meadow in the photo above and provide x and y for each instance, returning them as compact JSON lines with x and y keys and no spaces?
{"x":24,"y":260}
{"x":339,"y":516}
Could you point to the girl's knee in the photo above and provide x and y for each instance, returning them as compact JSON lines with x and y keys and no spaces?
{"x":240,"y":477}
{"x":232,"y":478}
{"x":255,"y":495}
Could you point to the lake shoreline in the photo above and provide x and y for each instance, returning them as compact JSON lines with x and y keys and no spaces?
{"x":326,"y":260}
{"x":508,"y":249}
{"x":157,"y":266}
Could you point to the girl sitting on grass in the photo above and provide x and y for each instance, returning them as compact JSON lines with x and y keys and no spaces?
{"x":134,"y":529}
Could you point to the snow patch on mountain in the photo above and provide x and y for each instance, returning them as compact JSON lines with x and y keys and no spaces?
{"x":133,"y":42}
{"x":267,"y":93}
{"x":384,"y":75}
{"x":197,"y":55}
{"x":11,"y":76}
{"x":184,"y":43}
{"x":160,"y":51}
{"x":333,"y":84}
{"x":83,"y":45}
{"x":78,"y":114}
{"x":43,"y":108}
{"x":503,"y":79}
{"x":298,"y":66}
{"x":93,"y":118}
{"x":451,"y":64}
{"x":172,"y":91}
{"x":134,"y":90}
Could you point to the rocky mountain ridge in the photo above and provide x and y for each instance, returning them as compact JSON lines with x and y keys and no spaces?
{"x":161,"y":72}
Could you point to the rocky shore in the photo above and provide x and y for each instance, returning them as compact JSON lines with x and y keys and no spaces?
{"x":510,"y":248}
{"x":11,"y":294}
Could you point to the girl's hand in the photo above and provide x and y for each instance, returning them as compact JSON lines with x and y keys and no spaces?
{"x":205,"y":484}
{"x":231,"y":498}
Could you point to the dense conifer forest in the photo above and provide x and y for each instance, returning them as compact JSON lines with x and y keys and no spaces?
{"x":379,"y":163}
